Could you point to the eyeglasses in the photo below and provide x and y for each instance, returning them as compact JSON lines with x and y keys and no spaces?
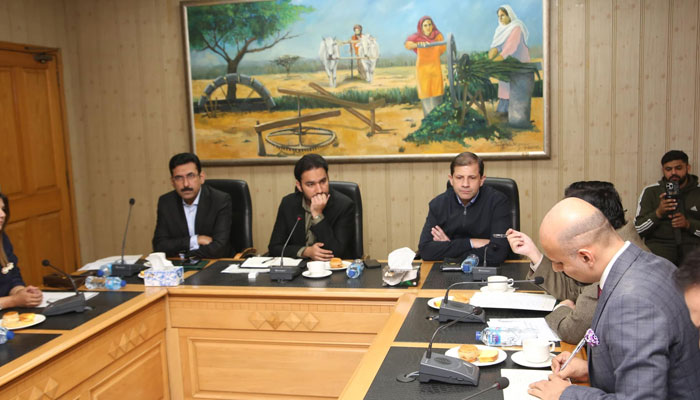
{"x":188,"y":177}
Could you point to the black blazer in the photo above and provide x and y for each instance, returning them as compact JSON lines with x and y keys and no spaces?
{"x":213,"y":219}
{"x":336,"y":231}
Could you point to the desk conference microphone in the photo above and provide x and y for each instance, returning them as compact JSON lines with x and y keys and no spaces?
{"x":283,"y":273}
{"x":500,"y":384}
{"x":452,"y":310}
{"x":447,"y":369}
{"x":121,"y":268}
{"x":75,"y":303}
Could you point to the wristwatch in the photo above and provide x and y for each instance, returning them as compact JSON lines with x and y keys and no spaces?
{"x":316,"y":217}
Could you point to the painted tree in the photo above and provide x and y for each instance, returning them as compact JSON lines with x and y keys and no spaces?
{"x":286,"y":62}
{"x":233,"y":30}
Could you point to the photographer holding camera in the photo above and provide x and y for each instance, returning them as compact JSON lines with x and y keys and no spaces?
{"x":668,"y":214}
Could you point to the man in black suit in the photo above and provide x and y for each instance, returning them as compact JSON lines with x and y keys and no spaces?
{"x":192,"y":219}
{"x":327,"y":216}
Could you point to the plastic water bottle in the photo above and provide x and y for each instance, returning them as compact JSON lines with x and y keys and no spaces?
{"x":504,"y":336}
{"x":5,"y":335}
{"x":105,"y":270}
{"x":355,"y":269}
{"x":470,"y":262}
{"x":99,"y":282}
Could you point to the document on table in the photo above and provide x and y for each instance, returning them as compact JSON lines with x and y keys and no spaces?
{"x":267,"y":262}
{"x":515,"y":301}
{"x":520,"y":379}
{"x":537,"y":325}
{"x":236,"y":269}
{"x":50,"y":297}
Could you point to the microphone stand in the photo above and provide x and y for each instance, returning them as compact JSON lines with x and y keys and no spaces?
{"x":75,"y":303}
{"x":448,"y":369}
{"x":283,"y":273}
{"x":121,"y":268}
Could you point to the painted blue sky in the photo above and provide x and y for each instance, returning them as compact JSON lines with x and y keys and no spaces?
{"x":471,"y":21}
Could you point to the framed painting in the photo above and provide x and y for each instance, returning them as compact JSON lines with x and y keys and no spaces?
{"x":365,"y":80}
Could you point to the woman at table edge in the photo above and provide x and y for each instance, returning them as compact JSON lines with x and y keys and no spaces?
{"x":13,"y":292}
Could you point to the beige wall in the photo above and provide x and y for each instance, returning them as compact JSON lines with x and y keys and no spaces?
{"x":624,"y":81}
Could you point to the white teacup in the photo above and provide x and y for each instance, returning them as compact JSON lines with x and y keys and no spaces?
{"x":537,"y":350}
{"x":316,"y":267}
{"x":499,"y":283}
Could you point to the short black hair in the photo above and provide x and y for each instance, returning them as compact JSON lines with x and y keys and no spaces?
{"x":467,"y":158}
{"x":688,"y":274}
{"x":603,"y":196}
{"x":674,"y":155}
{"x":309,"y":161}
{"x":184,"y":158}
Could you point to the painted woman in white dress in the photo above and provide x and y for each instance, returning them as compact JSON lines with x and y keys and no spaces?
{"x":510,"y":39}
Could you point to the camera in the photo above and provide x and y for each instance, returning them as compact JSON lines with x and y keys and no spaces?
{"x":672,"y":190}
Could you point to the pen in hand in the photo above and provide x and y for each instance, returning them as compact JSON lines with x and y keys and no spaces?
{"x":573,"y":354}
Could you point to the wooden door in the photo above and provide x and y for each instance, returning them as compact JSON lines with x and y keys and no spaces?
{"x":34,"y":161}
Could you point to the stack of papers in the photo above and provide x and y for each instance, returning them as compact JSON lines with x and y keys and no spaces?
{"x":236,"y":269}
{"x":267,"y":262}
{"x":536,"y":325}
{"x":514,"y":301}
{"x":520,"y":380}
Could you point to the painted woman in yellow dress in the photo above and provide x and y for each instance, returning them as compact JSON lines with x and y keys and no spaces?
{"x":428,"y":68}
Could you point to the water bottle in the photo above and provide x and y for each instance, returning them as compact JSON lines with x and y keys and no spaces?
{"x":5,"y":335}
{"x":104,"y":270}
{"x":504,"y":336}
{"x":470,"y":262}
{"x":100,"y":282}
{"x":355,"y":269}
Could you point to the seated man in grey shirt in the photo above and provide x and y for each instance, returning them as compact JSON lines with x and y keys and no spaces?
{"x":572,"y":317}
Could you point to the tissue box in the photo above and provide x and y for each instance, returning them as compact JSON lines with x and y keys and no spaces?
{"x":165,"y":276}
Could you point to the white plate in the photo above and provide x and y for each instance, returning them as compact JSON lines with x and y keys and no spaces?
{"x":519,"y":358}
{"x":142,"y":274}
{"x":307,"y":274}
{"x":486,"y":289}
{"x":432,"y":303}
{"x":327,"y":265}
{"x":454,"y":352}
{"x":38,"y":318}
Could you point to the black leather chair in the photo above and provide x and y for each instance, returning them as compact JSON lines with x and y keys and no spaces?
{"x":242,"y":221}
{"x":508,"y":187}
{"x":352,"y":190}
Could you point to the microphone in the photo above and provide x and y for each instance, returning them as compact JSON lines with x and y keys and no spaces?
{"x":283,"y":273}
{"x":121,"y":268}
{"x":287,"y":242}
{"x":447,"y":369}
{"x":75,"y":303}
{"x":500,"y":384}
{"x":450,"y":310}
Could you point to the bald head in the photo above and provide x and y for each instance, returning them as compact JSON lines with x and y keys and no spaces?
{"x":576,"y":234}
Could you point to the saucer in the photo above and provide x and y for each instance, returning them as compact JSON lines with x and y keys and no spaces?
{"x":519,"y":358}
{"x":486,"y":289}
{"x":323,"y":274}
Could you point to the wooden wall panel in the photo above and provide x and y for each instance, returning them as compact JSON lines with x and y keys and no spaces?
{"x":624,"y":89}
{"x":599,"y":154}
{"x":653,"y":90}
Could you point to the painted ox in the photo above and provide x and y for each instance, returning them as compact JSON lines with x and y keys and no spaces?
{"x":329,"y":55}
{"x":369,"y":53}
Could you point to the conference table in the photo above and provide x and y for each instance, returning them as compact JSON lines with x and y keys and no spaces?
{"x":235,"y":336}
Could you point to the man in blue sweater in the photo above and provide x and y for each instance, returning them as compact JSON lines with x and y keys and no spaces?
{"x":464,"y":218}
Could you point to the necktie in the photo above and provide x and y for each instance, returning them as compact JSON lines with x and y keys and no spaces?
{"x":599,"y":291}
